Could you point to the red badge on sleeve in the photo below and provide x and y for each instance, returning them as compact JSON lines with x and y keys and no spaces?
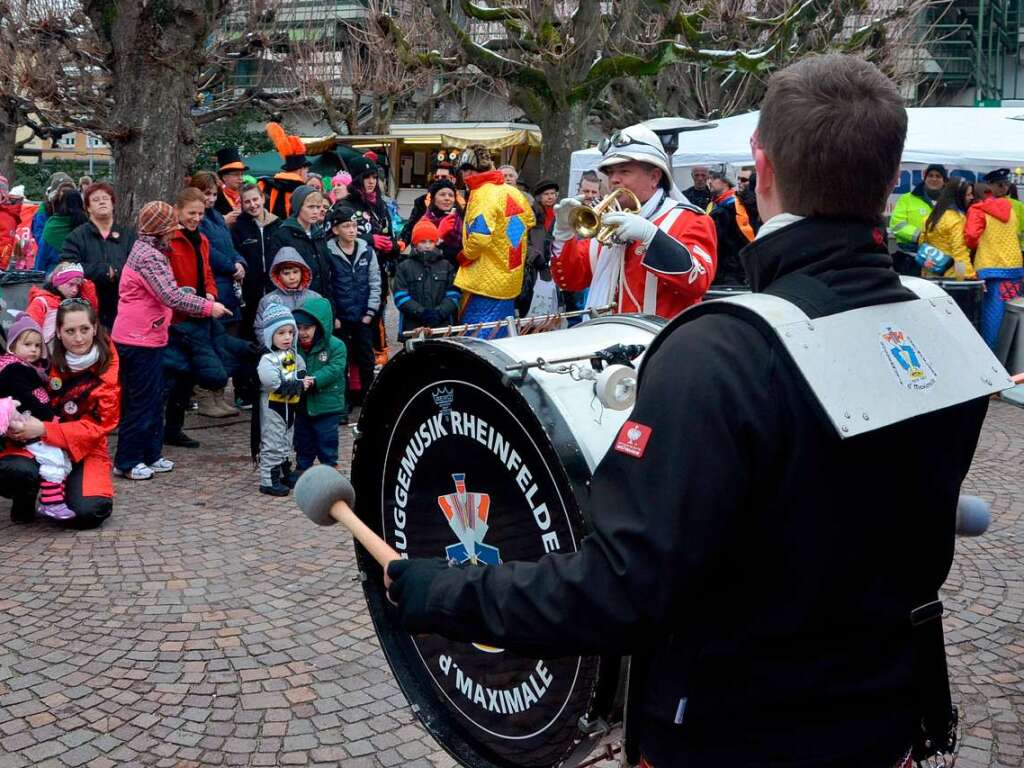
{"x":632,"y":439}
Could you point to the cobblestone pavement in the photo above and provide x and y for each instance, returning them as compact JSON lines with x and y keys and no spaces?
{"x":206,"y":624}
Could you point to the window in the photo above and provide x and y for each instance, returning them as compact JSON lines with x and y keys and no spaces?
{"x":94,"y":143}
{"x":68,"y":141}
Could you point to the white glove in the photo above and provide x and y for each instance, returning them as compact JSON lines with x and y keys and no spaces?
{"x":563,"y":211}
{"x":630,"y":227}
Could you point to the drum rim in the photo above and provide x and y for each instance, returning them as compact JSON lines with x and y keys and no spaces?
{"x":395,"y":643}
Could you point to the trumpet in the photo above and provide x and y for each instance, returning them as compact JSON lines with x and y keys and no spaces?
{"x":587,"y":221}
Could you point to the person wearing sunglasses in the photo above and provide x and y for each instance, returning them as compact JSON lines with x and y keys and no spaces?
{"x":661,"y":259}
{"x":761,"y":562}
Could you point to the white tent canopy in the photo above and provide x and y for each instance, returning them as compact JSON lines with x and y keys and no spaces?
{"x":967,"y":139}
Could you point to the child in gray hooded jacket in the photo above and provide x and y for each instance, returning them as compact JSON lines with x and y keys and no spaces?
{"x":291,"y":277}
{"x":281,"y":373}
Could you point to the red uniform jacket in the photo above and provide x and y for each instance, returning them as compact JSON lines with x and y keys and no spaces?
{"x":663,"y":278}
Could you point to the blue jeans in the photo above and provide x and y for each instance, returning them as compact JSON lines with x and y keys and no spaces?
{"x":140,"y":434}
{"x":316,"y":437}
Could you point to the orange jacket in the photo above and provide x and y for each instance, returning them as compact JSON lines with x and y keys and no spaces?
{"x":183,"y":264}
{"x":43,"y":304}
{"x":85,"y":439}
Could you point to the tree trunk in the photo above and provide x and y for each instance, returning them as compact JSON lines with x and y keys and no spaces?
{"x":152,"y":160}
{"x":152,"y":132}
{"x":564,"y":132}
{"x":9,"y":119}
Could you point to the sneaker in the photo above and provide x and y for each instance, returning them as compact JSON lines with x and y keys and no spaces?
{"x":162,"y":465}
{"x":243,"y":405}
{"x":139,"y":472}
{"x":59,"y":511}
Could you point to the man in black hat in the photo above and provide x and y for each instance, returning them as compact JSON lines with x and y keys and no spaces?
{"x":230,"y":168}
{"x":294,"y":171}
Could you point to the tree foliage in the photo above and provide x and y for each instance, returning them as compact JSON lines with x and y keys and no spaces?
{"x":565,"y":61}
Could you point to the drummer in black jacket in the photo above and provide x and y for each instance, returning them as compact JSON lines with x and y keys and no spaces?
{"x":760,"y":569}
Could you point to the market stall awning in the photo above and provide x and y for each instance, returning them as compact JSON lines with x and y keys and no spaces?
{"x":458,"y":135}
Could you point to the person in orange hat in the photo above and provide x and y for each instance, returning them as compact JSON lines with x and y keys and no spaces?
{"x":425,"y":291}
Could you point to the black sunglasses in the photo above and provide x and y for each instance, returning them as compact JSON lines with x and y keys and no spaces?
{"x":75,"y":302}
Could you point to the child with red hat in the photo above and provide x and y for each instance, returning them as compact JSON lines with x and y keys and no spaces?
{"x":425,"y":291}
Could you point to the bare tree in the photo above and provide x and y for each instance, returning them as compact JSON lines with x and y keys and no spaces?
{"x":886,"y":33}
{"x":15,"y":109}
{"x":144,"y":75}
{"x":560,"y":59}
{"x":358,"y":81}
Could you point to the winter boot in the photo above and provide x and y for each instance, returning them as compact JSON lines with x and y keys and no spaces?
{"x":208,"y":404}
{"x":289,"y":477}
{"x":276,"y":487}
{"x":212,"y":405}
{"x":224,"y":405}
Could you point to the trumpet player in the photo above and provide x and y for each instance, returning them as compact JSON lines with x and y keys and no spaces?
{"x":659,"y":259}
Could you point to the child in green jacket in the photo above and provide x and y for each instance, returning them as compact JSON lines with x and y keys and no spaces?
{"x":318,"y":415}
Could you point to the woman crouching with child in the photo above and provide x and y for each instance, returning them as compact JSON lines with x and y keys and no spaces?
{"x":85,"y":396}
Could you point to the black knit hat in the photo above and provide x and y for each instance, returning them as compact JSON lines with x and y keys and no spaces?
{"x":937,"y":167}
{"x":440,"y":184}
{"x":544,"y":185}
{"x":360,"y":168}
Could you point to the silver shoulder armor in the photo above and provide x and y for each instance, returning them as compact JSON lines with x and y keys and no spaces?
{"x":880,"y":365}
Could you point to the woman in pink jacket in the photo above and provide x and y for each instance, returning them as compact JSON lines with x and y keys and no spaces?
{"x":148,"y":295}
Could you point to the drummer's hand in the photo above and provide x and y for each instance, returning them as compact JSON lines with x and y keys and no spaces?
{"x":563,"y":211}
{"x":408,"y":583}
{"x":630,"y":227}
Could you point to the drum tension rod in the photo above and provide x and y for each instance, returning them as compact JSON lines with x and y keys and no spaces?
{"x":617,"y":354}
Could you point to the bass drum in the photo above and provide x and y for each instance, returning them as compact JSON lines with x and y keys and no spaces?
{"x":458,"y":456}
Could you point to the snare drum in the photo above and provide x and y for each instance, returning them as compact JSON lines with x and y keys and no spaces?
{"x":467,"y":449}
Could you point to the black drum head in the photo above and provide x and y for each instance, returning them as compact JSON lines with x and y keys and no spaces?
{"x":452,"y":463}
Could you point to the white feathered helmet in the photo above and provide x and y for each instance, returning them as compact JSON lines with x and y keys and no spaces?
{"x":638,"y":143}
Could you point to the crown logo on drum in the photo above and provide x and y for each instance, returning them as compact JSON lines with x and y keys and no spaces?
{"x":443,"y":398}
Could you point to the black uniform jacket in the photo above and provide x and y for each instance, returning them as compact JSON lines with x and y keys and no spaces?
{"x":753,"y":563}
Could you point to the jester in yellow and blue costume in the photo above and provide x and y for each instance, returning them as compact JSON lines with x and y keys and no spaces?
{"x":498,"y":217}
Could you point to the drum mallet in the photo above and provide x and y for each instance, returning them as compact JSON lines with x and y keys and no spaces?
{"x":326,"y":497}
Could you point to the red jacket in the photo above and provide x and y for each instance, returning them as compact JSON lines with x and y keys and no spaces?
{"x":43,"y":304}
{"x":10,"y":218}
{"x":671,"y":274}
{"x":84,"y":434}
{"x":183,"y":264}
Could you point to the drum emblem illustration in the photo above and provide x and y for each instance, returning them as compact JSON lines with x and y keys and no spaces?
{"x":467,"y":514}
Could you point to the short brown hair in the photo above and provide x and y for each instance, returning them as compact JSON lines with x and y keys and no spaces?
{"x":204,"y":180}
{"x":190,"y":195}
{"x":833,"y":128}
{"x":99,"y":186}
